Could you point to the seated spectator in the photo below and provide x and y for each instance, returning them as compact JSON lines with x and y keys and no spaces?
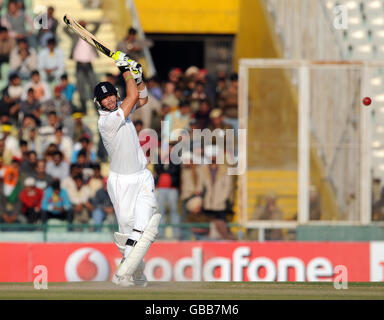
{"x":60,"y":105}
{"x":42,"y":179}
{"x":198,"y":95}
{"x":41,"y":89}
{"x":67,"y":89}
{"x":86,"y":146}
{"x":49,"y":152}
{"x":12,"y":147}
{"x":168,"y":96}
{"x":31,"y":106}
{"x":269,"y":211}
{"x":80,"y":197}
{"x":202,"y":114}
{"x":16,"y":21}
{"x":11,"y":97}
{"x":85,"y":165}
{"x":9,"y":212}
{"x":64,"y":143}
{"x":154,"y":88}
{"x":34,"y":141}
{"x":56,"y":204}
{"x":48,"y":129}
{"x":102,"y":207}
{"x":6,"y":45}
{"x":30,"y":198}
{"x":69,"y":182}
{"x":78,"y":130}
{"x":23,"y":59}
{"x":195,"y":214}
{"x":51,"y":62}
{"x":179,"y":119}
{"x":96,"y":180}
{"x":58,"y":168}
{"x":218,"y":189}
{"x":28,"y":165}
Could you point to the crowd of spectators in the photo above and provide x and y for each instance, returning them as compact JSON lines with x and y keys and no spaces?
{"x":50,"y":163}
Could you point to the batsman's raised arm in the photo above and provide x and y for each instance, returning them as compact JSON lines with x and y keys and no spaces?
{"x":132,"y":93}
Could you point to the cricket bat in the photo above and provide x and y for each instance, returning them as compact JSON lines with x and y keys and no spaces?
{"x":88,"y":37}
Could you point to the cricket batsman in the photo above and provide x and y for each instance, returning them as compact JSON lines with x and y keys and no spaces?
{"x":130,"y":185}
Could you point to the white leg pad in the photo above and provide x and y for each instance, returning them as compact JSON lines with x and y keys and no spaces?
{"x":138,"y":252}
{"x":120,"y":241}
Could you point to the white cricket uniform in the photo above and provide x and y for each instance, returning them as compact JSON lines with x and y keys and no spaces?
{"x":130,"y":185}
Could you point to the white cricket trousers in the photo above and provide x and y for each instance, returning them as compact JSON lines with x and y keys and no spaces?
{"x":133,"y":198}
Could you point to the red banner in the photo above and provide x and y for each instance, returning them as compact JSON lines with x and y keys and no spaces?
{"x":197,"y":261}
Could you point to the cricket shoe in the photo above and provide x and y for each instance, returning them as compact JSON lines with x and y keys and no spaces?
{"x":125,"y":280}
{"x":139,"y":277}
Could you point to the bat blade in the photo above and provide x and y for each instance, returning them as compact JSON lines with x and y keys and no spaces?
{"x":87,"y":36}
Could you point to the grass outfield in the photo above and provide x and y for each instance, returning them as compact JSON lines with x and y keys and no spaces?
{"x":194,"y":291}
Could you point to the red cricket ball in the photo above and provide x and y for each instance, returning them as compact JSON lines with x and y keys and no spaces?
{"x":367,"y":101}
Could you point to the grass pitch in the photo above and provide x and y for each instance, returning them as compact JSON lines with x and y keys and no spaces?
{"x":194,"y":291}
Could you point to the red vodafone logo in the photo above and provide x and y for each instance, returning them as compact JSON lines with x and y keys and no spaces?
{"x":87,"y":264}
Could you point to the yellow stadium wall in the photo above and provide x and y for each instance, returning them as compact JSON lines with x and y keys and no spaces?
{"x":186,"y":16}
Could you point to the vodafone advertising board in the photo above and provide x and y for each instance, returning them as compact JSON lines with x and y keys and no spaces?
{"x":198,"y":261}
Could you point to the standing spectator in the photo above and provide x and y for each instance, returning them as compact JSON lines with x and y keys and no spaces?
{"x":83,"y":54}
{"x":41,"y":88}
{"x":56,"y":204}
{"x":42,"y":179}
{"x":16,"y":20}
{"x":58,"y":168}
{"x":31,"y":198}
{"x":167,"y":182}
{"x":102,"y":207}
{"x":80,"y":197}
{"x":23,"y":59}
{"x":132,"y":46}
{"x":50,"y":30}
{"x":51,"y":62}
{"x":218,"y":189}
{"x":6,"y":45}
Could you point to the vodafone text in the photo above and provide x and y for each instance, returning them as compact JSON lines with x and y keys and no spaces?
{"x":239,"y":268}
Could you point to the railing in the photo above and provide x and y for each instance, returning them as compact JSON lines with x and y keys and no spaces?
{"x":87,"y":229}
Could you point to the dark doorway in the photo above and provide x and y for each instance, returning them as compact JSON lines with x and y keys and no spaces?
{"x":176,"y":53}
